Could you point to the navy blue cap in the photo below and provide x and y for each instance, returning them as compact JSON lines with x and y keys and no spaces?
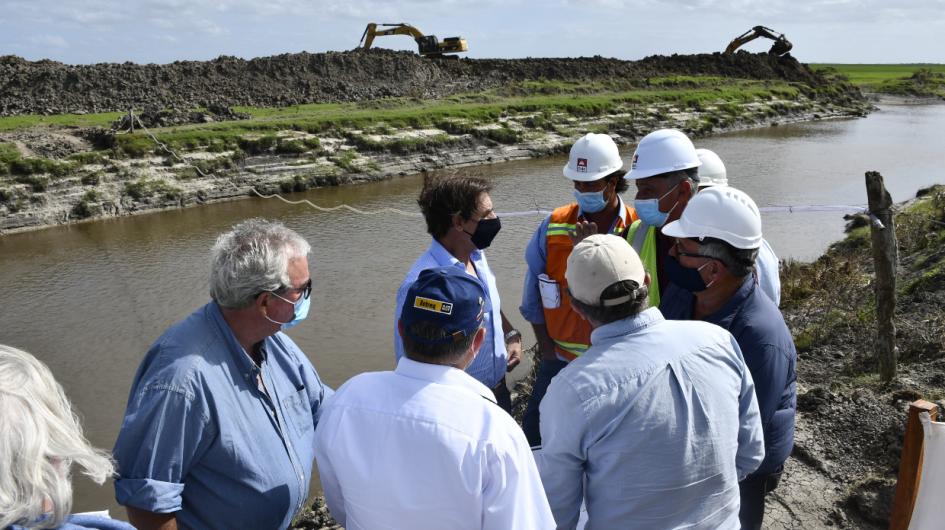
{"x":446,"y":297}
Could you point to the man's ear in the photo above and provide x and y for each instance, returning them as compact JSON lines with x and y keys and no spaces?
{"x":647,"y":279}
{"x":400,"y":328}
{"x":458,"y":221}
{"x":478,"y":340}
{"x":686,"y":191}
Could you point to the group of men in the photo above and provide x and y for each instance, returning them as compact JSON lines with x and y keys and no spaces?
{"x":664,"y":398}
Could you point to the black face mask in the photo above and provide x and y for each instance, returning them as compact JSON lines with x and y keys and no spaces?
{"x":485,"y":232}
{"x":688,"y":279}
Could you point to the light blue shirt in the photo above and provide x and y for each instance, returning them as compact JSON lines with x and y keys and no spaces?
{"x":86,"y":522}
{"x":490,"y":364}
{"x":202,"y":438}
{"x":653,"y":427}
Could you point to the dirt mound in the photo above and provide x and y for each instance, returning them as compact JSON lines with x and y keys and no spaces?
{"x":49,"y":87}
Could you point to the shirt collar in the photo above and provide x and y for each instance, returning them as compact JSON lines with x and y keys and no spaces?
{"x":241,"y":356}
{"x":726,"y":314}
{"x":621,"y":216}
{"x":443,"y":375}
{"x":444,"y":258}
{"x":627,"y":325}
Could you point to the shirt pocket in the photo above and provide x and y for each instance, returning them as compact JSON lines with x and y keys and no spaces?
{"x":550,"y":292}
{"x":298,"y":412}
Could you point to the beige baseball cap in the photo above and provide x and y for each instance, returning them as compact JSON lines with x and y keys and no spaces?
{"x":598,"y":262}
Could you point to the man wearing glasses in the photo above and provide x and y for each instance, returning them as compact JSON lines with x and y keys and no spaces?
{"x":220,"y":425}
{"x":710,"y":268}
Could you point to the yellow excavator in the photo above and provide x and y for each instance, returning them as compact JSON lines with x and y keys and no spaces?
{"x":429,"y":45}
{"x":780,"y":47}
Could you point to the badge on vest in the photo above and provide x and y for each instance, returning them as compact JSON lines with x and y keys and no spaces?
{"x":550,"y":292}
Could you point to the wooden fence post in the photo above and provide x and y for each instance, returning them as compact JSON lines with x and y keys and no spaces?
{"x":885,"y":259}
{"x":910,"y":465}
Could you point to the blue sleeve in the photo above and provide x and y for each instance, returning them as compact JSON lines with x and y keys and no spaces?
{"x":318,"y":392}
{"x":165,"y":432}
{"x":96,"y":522}
{"x":769,"y":366}
{"x":531,"y":308}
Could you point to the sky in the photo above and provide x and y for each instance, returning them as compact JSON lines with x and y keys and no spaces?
{"x":163,"y":31}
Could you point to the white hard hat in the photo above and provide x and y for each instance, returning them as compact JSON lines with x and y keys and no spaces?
{"x":721,"y":212}
{"x":712,"y":171}
{"x":593,"y":157}
{"x":662,"y":151}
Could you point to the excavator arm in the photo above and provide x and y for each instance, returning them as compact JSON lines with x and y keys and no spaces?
{"x":429,"y":45}
{"x":371,"y":31}
{"x":780,"y":47}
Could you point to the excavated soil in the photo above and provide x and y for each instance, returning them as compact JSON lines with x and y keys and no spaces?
{"x":49,"y":87}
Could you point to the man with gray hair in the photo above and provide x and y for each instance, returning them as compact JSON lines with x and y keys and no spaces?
{"x":710,"y":270}
{"x":657,"y":422}
{"x":220,"y":426}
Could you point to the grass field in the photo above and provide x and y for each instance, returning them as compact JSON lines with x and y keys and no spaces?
{"x":459,"y":113}
{"x":902,"y":79}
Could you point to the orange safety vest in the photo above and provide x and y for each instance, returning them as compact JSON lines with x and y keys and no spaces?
{"x":570,"y":332}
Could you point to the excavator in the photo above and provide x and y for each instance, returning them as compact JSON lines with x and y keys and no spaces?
{"x":780,"y":47}
{"x":429,"y":45}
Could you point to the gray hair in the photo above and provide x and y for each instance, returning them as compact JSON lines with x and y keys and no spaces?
{"x":40,"y":439}
{"x":738,"y":261}
{"x":602,"y":314}
{"x":251,"y":258}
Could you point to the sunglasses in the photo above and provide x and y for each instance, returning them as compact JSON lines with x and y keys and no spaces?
{"x":305,"y":290}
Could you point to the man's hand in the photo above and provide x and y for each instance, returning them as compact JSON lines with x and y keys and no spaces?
{"x":581,"y":230}
{"x":515,"y":353}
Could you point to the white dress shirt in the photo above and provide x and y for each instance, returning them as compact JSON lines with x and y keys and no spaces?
{"x":426,"y":447}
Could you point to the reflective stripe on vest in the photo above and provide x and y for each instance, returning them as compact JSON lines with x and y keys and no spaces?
{"x":570,"y":333}
{"x":644,"y":242}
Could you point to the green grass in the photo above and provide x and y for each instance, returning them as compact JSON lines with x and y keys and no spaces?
{"x":461,"y":113}
{"x":902,"y":79}
{"x":411,"y":113}
{"x":873,"y":74}
{"x":103,"y":119}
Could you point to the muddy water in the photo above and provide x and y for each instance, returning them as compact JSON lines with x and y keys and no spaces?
{"x":88,"y":299}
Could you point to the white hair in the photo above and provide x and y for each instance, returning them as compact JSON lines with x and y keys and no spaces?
{"x":40,"y":439}
{"x":251,"y":258}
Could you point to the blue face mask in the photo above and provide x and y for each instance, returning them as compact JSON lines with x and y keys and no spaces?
{"x":591,"y":201}
{"x":648,"y":210}
{"x":301,"y":311}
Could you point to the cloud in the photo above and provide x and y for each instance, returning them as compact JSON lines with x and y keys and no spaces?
{"x":49,"y":41}
{"x":781,"y":11}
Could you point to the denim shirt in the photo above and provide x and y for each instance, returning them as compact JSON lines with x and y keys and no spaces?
{"x":768,"y":347}
{"x":652,"y":427}
{"x":203,"y":438}
{"x":490,"y":363}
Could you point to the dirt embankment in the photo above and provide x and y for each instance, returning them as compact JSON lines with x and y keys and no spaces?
{"x":49,"y":87}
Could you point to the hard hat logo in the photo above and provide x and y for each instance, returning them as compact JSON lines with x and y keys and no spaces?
{"x":592,"y":157}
